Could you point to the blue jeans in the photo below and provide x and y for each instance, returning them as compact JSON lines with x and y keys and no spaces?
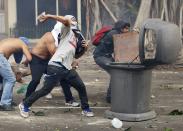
{"x":1,"y":86}
{"x":8,"y":81}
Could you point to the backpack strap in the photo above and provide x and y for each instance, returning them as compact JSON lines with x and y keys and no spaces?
{"x":106,"y":33}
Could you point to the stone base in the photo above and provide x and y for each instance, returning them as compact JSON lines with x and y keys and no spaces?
{"x":130,"y":117}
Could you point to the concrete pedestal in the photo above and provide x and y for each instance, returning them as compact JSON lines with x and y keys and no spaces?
{"x":130,"y":92}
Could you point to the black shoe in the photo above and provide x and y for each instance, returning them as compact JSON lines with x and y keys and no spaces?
{"x":7,"y":108}
{"x":108,"y":99}
{"x":13,"y":103}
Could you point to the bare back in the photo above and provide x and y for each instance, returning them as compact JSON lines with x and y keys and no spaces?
{"x":11,"y":45}
{"x":45,"y":47}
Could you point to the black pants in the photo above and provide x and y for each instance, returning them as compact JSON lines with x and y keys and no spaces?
{"x":38,"y":67}
{"x":54,"y":75}
{"x":66,"y":89}
{"x":102,"y":61}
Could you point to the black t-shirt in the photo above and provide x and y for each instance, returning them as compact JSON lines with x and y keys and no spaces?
{"x":106,"y":46}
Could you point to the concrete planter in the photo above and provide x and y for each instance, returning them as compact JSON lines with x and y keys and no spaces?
{"x":130,"y":94}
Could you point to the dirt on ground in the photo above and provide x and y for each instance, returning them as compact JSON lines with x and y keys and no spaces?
{"x":166,"y":96}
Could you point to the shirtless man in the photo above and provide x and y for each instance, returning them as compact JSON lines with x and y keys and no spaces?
{"x":17,"y":47}
{"x":41,"y":54}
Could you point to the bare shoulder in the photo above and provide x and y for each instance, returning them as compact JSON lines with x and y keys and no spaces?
{"x":48,"y":38}
{"x":11,"y":42}
{"x":8,"y":40}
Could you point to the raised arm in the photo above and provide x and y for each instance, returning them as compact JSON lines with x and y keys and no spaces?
{"x":61,"y":19}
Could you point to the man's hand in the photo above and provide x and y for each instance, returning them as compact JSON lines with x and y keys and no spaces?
{"x":85,"y":44}
{"x":42,"y":17}
{"x":25,"y":63}
{"x":75,"y":64}
{"x":18,"y":76}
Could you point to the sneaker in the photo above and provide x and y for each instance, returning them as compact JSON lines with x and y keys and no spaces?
{"x":24,"y":111}
{"x":87,"y":112}
{"x":72,"y":104}
{"x":49,"y":96}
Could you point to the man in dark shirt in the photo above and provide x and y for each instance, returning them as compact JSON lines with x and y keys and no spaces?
{"x":103,"y":53}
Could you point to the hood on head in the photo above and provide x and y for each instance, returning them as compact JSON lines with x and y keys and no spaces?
{"x":74,"y":24}
{"x":70,"y":17}
{"x":121,"y":25}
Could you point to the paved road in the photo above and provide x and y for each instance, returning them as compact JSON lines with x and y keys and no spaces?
{"x":167,"y":90}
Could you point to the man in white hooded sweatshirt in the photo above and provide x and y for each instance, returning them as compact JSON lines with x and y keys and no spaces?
{"x":59,"y":67}
{"x":41,"y":54}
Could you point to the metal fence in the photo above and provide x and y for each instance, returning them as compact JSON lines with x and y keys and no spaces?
{"x":2,"y":23}
{"x":29,"y":31}
{"x":2,"y":5}
{"x":32,"y":32}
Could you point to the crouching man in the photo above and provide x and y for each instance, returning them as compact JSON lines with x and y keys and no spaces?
{"x":8,"y":47}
